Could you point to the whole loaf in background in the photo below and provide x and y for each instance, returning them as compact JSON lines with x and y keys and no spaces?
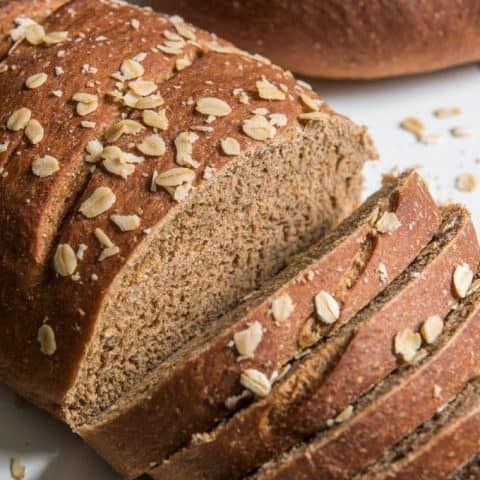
{"x":344,"y":38}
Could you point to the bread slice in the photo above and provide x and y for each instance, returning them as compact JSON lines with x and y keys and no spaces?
{"x":338,"y":370}
{"x":438,"y":448}
{"x":104,"y":272}
{"x":11,"y":10}
{"x":394,"y":408}
{"x":204,"y":375}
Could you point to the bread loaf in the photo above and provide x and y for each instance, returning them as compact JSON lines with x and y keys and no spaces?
{"x":200,"y":384}
{"x":438,"y":448}
{"x":110,"y":258}
{"x":340,"y":369}
{"x":393,"y":409}
{"x":345,"y":38}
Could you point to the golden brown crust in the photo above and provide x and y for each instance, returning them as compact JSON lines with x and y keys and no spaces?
{"x":367,"y":359}
{"x":13,"y":9}
{"x":211,"y":377}
{"x":391,"y":416}
{"x":345,"y":39}
{"x":38,"y":214}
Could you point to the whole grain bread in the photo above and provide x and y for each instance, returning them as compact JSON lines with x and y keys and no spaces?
{"x":352,"y":264}
{"x":345,"y":38}
{"x":12,"y":11}
{"x":437,"y":449}
{"x":110,"y":256}
{"x":337,"y":371}
{"x":393,"y":409}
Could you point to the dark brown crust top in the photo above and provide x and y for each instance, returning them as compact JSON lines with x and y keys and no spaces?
{"x":253,"y":436}
{"x":345,"y":38}
{"x":38,"y":214}
{"x":12,"y":9}
{"x":386,"y":420}
{"x":449,"y":449}
{"x":212,"y":376}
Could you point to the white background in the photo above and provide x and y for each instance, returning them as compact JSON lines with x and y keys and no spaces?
{"x":51,"y":452}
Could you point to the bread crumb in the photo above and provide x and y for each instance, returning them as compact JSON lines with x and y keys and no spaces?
{"x":467,"y":182}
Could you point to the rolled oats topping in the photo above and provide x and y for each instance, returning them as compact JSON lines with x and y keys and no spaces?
{"x":388,"y":223}
{"x":255,"y":381}
{"x":314,"y":116}
{"x":19,"y":119}
{"x":345,"y":415}
{"x":247,"y":341}
{"x":407,"y":344}
{"x":142,"y":88}
{"x":230,"y":146}
{"x":462,"y":280}
{"x":126,"y":223}
{"x":268,"y":91}
{"x":17,"y":469}
{"x":103,"y":238}
{"x":310,"y":103}
{"x":45,"y":166}
{"x":101,"y":200}
{"x":432,"y":328}
{"x":282,"y":308}
{"x":131,"y":69}
{"x":184,"y":145}
{"x":36,"y":81}
{"x":34,"y":131}
{"x":152,"y":146}
{"x":327,"y":308}
{"x":122,"y":127}
{"x":46,"y":339}
{"x":108,"y":252}
{"x":175,"y":177}
{"x":150,"y":102}
{"x":278,"y":119}
{"x":258,"y":128}
{"x":86,"y":103}
{"x":213,"y":106}
{"x":65,"y":260}
{"x":155,"y":119}
{"x":118,"y":166}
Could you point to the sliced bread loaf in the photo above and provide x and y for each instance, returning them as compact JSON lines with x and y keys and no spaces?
{"x":438,"y":448}
{"x":202,"y":382}
{"x":398,"y":405}
{"x":338,"y":370}
{"x":140,"y":197}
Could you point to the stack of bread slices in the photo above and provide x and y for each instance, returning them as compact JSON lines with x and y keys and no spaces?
{"x":186,"y":281}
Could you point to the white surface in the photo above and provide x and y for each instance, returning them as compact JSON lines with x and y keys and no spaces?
{"x":46,"y":447}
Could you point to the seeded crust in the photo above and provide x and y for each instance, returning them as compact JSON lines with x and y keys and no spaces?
{"x":439,"y":447}
{"x":393,"y":409}
{"x":345,"y":38}
{"x":338,"y":370}
{"x":345,"y":264}
{"x":12,"y":9}
{"x":120,"y":302}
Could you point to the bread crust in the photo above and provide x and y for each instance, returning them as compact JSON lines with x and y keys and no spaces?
{"x":211,"y":377}
{"x":345,"y":38}
{"x":449,"y":449}
{"x":13,"y":9}
{"x":267,"y":428}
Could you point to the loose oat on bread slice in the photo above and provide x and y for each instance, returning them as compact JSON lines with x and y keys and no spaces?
{"x":393,"y":409}
{"x":129,"y":220}
{"x":338,"y":370}
{"x":438,"y":448}
{"x":202,"y":383}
